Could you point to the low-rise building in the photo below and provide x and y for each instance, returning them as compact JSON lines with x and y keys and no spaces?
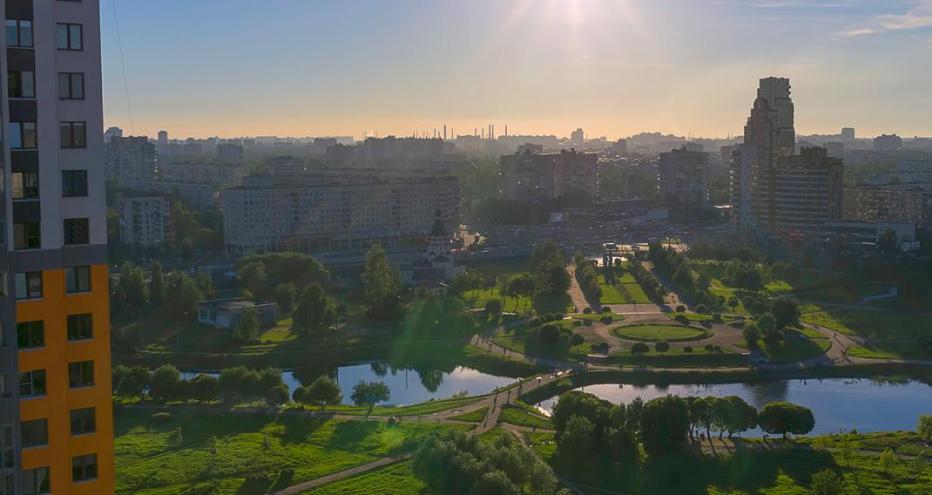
{"x":145,"y":220}
{"x":227,"y":313}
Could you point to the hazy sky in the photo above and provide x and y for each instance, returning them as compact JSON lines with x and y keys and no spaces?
{"x":613,"y":67}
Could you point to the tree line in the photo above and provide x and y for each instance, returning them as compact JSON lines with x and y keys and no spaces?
{"x":236,"y":384}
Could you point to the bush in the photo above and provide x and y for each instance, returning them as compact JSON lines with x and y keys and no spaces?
{"x":680,"y":309}
{"x":682,"y":319}
{"x":606,"y":319}
{"x":688,"y":349}
{"x":587,"y":311}
{"x":701,"y":308}
{"x":606,"y":309}
{"x":640,"y":348}
{"x":587,"y":322}
{"x":163,"y":417}
{"x":549,"y":333}
{"x":827,"y":482}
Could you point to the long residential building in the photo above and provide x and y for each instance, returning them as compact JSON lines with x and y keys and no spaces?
{"x":528,"y":177}
{"x":897,"y":202}
{"x":56,"y":414}
{"x":333,"y":209}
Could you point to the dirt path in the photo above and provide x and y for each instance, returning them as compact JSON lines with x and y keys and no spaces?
{"x":576,"y":294}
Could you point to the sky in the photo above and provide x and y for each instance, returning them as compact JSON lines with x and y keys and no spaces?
{"x":613,"y":67}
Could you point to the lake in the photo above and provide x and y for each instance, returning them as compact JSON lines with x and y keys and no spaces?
{"x":838,"y":404}
{"x":408,"y":386}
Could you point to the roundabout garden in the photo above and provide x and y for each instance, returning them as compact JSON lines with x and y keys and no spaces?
{"x":660,"y":332}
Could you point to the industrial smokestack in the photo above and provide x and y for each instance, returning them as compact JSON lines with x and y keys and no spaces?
{"x":444,"y":132}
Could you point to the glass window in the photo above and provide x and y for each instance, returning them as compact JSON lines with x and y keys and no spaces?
{"x":32,"y":383}
{"x":26,"y":235}
{"x":74,"y":183}
{"x":22,"y":135}
{"x":80,"y":327}
{"x":24,"y":185}
{"x":28,"y":285}
{"x":69,"y":36}
{"x":21,"y":84}
{"x":30,"y":334}
{"x":78,"y":279}
{"x":73,"y":135}
{"x":71,"y":86}
{"x":37,"y":482}
{"x":83,"y":421}
{"x":84,"y":467}
{"x":77,"y":231}
{"x":19,"y":33}
{"x":81,"y":374}
{"x":34,"y":433}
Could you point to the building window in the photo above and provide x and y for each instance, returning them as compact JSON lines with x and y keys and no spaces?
{"x":74,"y":183}
{"x":6,"y":385}
{"x":37,"y":482}
{"x":73,"y":135}
{"x":18,"y":33}
{"x":21,"y":84}
{"x":77,"y":231}
{"x":30,"y":334}
{"x":77,"y":279}
{"x":84,"y":467}
{"x":34,"y":433}
{"x":26,"y":235}
{"x":28,"y":285}
{"x":83,"y":421}
{"x":22,"y":135}
{"x":81,"y":374}
{"x":32,"y":383}
{"x":71,"y":85}
{"x":24,"y":185}
{"x":69,"y":36}
{"x":80,"y":327}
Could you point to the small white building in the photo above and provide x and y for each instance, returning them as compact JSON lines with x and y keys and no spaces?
{"x":226,"y":313}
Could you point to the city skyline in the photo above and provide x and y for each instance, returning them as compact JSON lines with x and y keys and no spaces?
{"x":614,"y":68}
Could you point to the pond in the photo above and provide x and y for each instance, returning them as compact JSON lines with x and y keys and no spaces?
{"x":838,"y":404}
{"x":408,"y":386}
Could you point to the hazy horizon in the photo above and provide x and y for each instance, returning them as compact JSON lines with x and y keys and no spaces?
{"x":612,"y":67}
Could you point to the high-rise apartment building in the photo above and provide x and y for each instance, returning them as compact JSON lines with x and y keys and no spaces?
{"x":533,"y":177}
{"x":144,"y":220}
{"x":56,"y":426}
{"x":808,"y":189}
{"x":888,"y":142}
{"x":684,"y":180}
{"x":130,"y":160}
{"x":768,"y":136}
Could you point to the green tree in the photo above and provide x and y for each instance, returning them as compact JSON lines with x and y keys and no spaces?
{"x":751,"y":334}
{"x":577,"y":340}
{"x":181,"y":296}
{"x":662,"y":347}
{"x":165,"y":383}
{"x":784,"y":417}
{"x":576,"y":441}
{"x":925,"y":427}
{"x":381,"y":284}
{"x":664,"y":424}
{"x":316,"y":312}
{"x":785,"y":312}
{"x":639,"y":348}
{"x":493,"y":309}
{"x":285,"y":295}
{"x":131,"y":287}
{"x":886,"y":460}
{"x":247,"y":328}
{"x":204,"y":387}
{"x":369,"y":394}
{"x":156,"y":284}
{"x":322,"y":392}
{"x":253,"y":278}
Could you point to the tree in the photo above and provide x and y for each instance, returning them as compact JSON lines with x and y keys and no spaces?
{"x":887,"y":242}
{"x":886,"y":460}
{"x":766,"y":323}
{"x":247,"y":328}
{"x":181,"y":296}
{"x":785,"y":312}
{"x":751,"y":334}
{"x":576,"y":440}
{"x":577,"y":340}
{"x":826,"y":482}
{"x":276,"y":395}
{"x":784,"y":417}
{"x":285,"y":295}
{"x":639,"y":348}
{"x":253,"y":278}
{"x":369,"y":394}
{"x":664,"y":424}
{"x":165,"y":383}
{"x":136,"y":382}
{"x":322,"y":392}
{"x":131,"y":287}
{"x":493,"y":309}
{"x":549,"y":333}
{"x":316,"y":313}
{"x":925,"y":427}
{"x":662,"y":347}
{"x":381,"y":284}
{"x":156,"y":284}
{"x":204,"y":387}
{"x":700,"y":414}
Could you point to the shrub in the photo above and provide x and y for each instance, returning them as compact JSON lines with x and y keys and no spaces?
{"x":606,"y":319}
{"x":681,"y":309}
{"x":827,"y":482}
{"x":640,"y":348}
{"x":587,"y":311}
{"x":606,"y":309}
{"x":701,"y":308}
{"x":587,"y":322}
{"x":717,"y":317}
{"x":709,"y":348}
{"x":688,"y":349}
{"x":577,"y":323}
{"x":549,"y":333}
{"x":682,"y":319}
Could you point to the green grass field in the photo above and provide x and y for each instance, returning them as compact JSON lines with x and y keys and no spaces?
{"x":477,"y":298}
{"x":473,"y":416}
{"x":625,"y":291}
{"x":524,"y":416}
{"x":795,"y":346}
{"x":396,"y":479}
{"x":656,"y":333}
{"x":223,"y":448}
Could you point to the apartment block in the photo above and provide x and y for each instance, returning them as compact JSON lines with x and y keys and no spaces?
{"x":335,"y":209}
{"x":145,"y":220}
{"x":130,"y":160}
{"x":684,"y":179}
{"x":898,"y":202}
{"x":807,"y":191}
{"x":56,"y":425}
{"x":531,"y":177}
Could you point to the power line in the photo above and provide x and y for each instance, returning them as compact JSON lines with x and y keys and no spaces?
{"x":129,"y":106}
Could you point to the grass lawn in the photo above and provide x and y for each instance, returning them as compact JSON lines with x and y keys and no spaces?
{"x":795,"y":346}
{"x":396,"y":479}
{"x":428,"y":407}
{"x":892,"y":334}
{"x":677,"y":357}
{"x":524,"y":416}
{"x":223,"y":448}
{"x":473,"y":416}
{"x":477,"y":298}
{"x":625,"y":291}
{"x":780,"y":469}
{"x":654,"y":333}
